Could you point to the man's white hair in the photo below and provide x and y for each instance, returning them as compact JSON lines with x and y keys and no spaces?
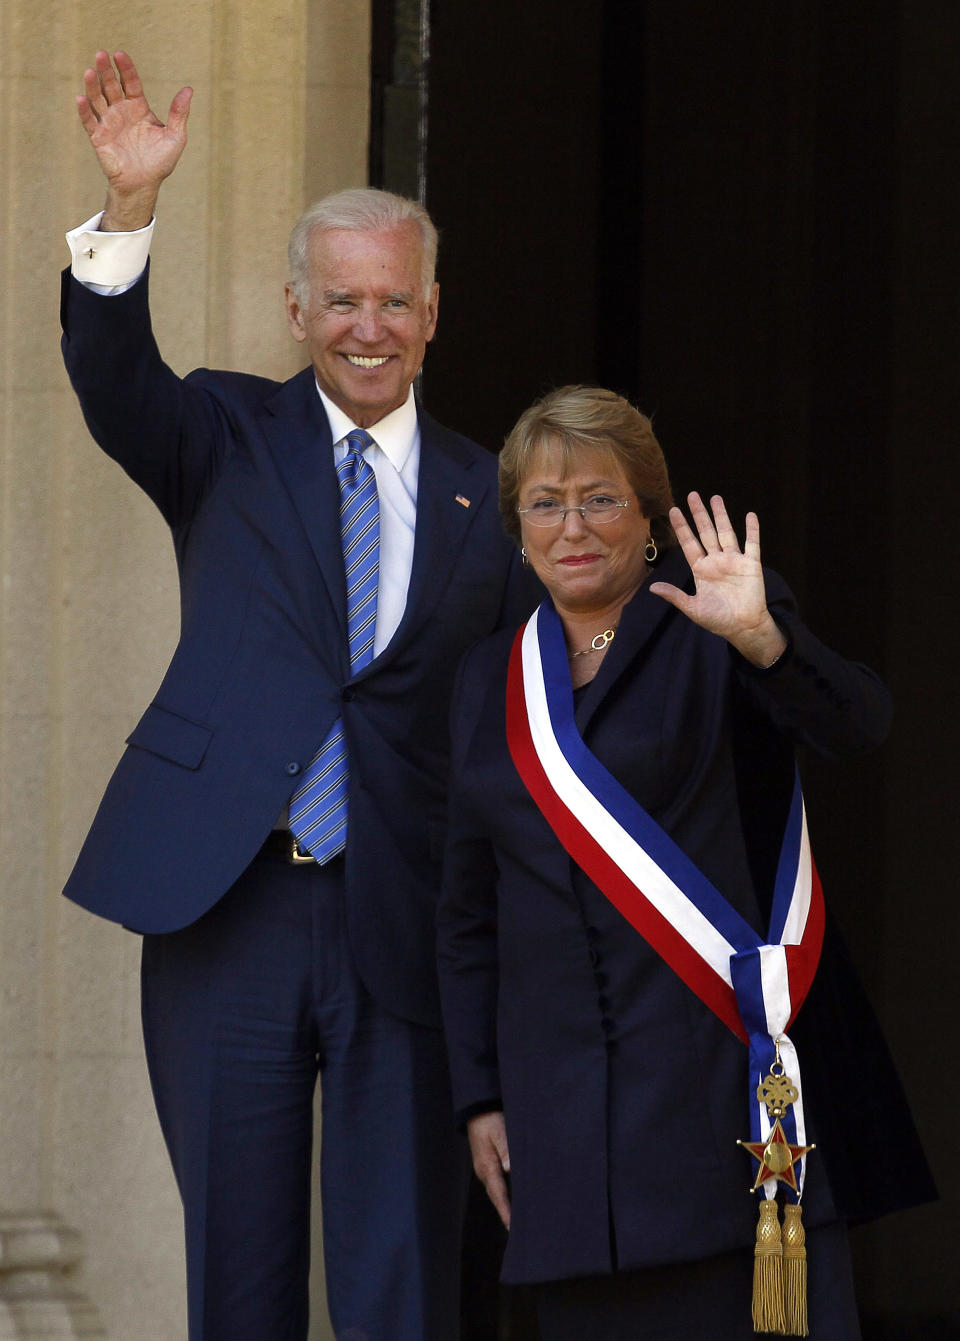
{"x":360,"y":211}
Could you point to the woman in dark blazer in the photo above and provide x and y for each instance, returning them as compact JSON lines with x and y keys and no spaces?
{"x":602,"y":1097}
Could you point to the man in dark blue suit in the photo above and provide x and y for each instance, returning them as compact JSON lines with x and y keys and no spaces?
{"x":279,"y":942}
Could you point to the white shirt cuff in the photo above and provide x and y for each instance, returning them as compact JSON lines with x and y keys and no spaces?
{"x":108,"y":263}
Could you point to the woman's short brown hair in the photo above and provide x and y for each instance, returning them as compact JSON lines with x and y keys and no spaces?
{"x":574,"y":417}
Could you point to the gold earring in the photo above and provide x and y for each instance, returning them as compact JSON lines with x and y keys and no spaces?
{"x":650,"y":552}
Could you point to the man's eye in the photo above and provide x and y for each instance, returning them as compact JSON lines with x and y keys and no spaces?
{"x":397,"y":304}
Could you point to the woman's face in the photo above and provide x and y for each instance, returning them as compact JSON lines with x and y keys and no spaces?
{"x":586,"y":566}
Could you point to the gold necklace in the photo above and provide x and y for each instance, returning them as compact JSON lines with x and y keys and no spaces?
{"x":597,"y":644}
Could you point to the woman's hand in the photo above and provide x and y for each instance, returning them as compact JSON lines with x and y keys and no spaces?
{"x":487,"y":1135}
{"x":730,"y":598}
{"x":135,"y":149}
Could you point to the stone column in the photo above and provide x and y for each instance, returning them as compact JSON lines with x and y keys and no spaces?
{"x":88,"y":613}
{"x":38,"y":1256}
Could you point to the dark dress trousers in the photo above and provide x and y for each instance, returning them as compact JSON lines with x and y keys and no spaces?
{"x":624,"y":1096}
{"x":242,"y":470}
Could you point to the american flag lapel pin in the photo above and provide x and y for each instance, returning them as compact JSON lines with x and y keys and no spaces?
{"x":464,"y":502}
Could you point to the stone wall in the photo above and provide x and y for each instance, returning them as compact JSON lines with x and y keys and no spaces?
{"x":88,"y":615}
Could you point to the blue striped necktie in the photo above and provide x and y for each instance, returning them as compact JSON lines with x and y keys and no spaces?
{"x":318,"y":808}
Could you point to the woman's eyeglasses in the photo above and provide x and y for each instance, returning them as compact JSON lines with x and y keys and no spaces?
{"x":598,"y":509}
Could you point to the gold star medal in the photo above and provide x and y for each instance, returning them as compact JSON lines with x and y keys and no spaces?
{"x":780,"y":1259}
{"x":778,"y":1158}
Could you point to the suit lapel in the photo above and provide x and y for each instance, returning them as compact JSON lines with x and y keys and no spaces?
{"x":445,"y":476}
{"x":298,"y":434}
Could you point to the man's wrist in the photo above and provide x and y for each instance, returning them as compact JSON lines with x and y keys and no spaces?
{"x":128,"y":213}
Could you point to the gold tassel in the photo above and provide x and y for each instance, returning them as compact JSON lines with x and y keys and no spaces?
{"x":768,"y":1313}
{"x":794,"y":1271}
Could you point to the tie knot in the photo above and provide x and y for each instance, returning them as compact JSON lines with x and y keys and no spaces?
{"x":357,"y":440}
{"x":353,"y":467}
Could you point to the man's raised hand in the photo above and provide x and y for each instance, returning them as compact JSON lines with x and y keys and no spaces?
{"x":135,"y":148}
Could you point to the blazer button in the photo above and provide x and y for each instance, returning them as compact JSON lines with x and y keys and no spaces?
{"x":292,"y":768}
{"x":347,"y":694}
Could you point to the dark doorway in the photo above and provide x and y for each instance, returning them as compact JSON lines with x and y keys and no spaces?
{"x":744,"y":218}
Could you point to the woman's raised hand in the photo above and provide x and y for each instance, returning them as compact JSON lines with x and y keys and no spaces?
{"x":729,"y":597}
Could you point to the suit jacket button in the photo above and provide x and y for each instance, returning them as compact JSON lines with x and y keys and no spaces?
{"x":293,"y":768}
{"x":347,"y":694}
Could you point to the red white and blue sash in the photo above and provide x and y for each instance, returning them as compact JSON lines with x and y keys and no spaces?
{"x":755,"y":987}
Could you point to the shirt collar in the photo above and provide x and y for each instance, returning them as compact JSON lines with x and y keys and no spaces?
{"x":395,"y":434}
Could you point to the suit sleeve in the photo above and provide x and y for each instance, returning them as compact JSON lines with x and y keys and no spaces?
{"x":167,"y":435}
{"x":467,"y":924}
{"x":812,"y":694}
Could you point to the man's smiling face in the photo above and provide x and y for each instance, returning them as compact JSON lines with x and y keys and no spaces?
{"x":365,"y":317}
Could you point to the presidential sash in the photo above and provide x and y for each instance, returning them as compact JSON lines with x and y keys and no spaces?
{"x":755,"y":985}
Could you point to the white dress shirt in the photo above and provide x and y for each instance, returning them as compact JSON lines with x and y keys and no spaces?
{"x":111,"y":263}
{"x":108,"y":263}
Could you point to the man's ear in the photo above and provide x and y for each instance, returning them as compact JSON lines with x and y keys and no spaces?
{"x":295,"y":315}
{"x":433,"y":304}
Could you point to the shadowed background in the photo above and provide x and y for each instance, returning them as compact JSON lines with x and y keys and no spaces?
{"x":744,"y":218}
